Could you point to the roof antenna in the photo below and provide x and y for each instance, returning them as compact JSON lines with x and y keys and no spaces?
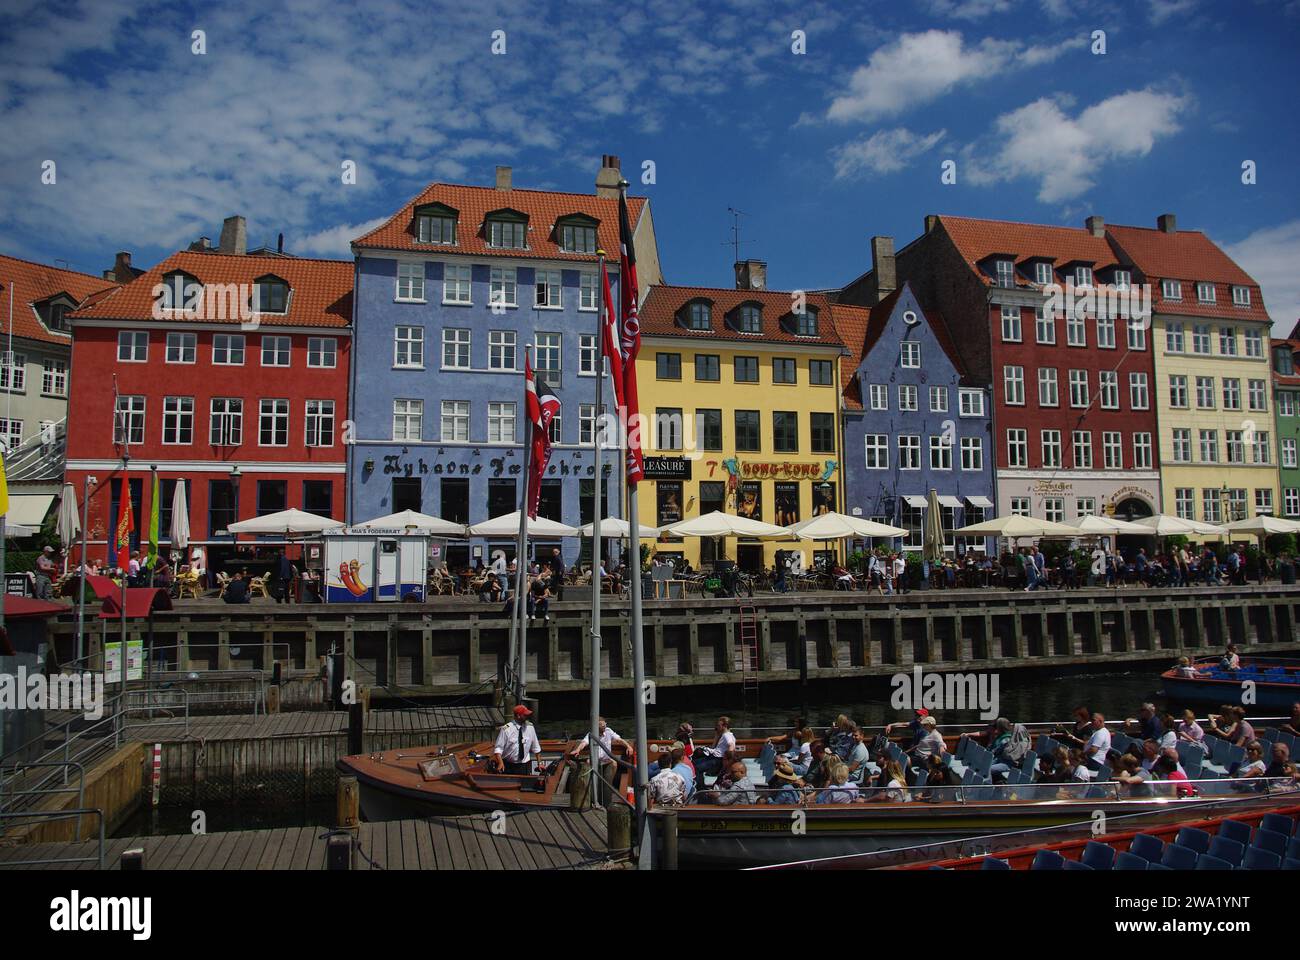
{"x":735,"y":242}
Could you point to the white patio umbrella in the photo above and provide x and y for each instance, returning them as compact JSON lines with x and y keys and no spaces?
{"x":1164,"y":525}
{"x":1262,"y":526}
{"x":16,"y":531}
{"x":69,"y":524}
{"x":287,"y":522}
{"x":414,"y":520}
{"x":615,"y":528}
{"x":719,"y":524}
{"x":836,"y":526}
{"x":180,"y":531}
{"x":1105,"y":526}
{"x":1013,"y":526}
{"x":508,"y":526}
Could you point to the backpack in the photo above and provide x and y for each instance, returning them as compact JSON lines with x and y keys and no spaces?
{"x":1018,"y":745}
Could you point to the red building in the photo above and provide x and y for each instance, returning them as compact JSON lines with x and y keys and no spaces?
{"x":237,"y":387}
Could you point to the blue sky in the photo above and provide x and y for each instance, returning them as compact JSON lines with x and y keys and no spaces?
{"x":154,"y":144}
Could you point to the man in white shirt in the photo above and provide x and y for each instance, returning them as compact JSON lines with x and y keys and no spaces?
{"x":498,"y":570}
{"x":45,"y":574}
{"x":900,"y":567}
{"x":608,"y":740}
{"x":1098,"y":745}
{"x":709,"y":759}
{"x":517,"y":746}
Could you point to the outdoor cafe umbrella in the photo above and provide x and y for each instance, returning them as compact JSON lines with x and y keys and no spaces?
{"x":1091,"y":524}
{"x":1262,"y":526}
{"x":416,"y":521}
{"x":614,"y":528}
{"x":289,"y":522}
{"x":180,"y":531}
{"x":1164,"y":525}
{"x":1013,"y":526}
{"x":719,"y":524}
{"x":837,"y":526}
{"x":932,"y":544}
{"x":69,"y":525}
{"x":507,"y":525}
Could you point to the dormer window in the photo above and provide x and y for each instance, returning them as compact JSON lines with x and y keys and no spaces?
{"x":577,"y":234}
{"x":1241,"y":296}
{"x":1083,"y":276}
{"x":1121,"y":279}
{"x":699,"y":315}
{"x":748,"y":318}
{"x":805,"y":324}
{"x":1043,"y":272}
{"x":1005,"y":271}
{"x":1205,"y":292}
{"x":507,"y":231}
{"x":1171,"y":289}
{"x":178,"y":288}
{"x":436,"y":223}
{"x":58,"y":317}
{"x":272,"y":296}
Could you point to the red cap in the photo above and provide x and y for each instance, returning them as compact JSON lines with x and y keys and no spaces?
{"x":522,"y":711}
{"x":922,"y":712}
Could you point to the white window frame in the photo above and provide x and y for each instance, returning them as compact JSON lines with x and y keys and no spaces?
{"x":1049,"y":445}
{"x":938,"y":399}
{"x":226,"y":421}
{"x":274,"y":342}
{"x":1240,"y":296}
{"x":321,"y":348}
{"x":453,"y":421}
{"x":271,"y":407}
{"x":908,"y":398}
{"x":503,"y":287}
{"x":879,"y":395}
{"x":1139,"y":391}
{"x":502,"y":417}
{"x":459,"y":343}
{"x":548,"y":290}
{"x":588,"y":295}
{"x":412,"y":339}
{"x":407,"y":411}
{"x":499,"y":342}
{"x":1011,"y":329}
{"x":972,"y":454}
{"x":876,"y":447}
{"x":1017,"y":447}
{"x":410,"y":277}
{"x":909,"y":453}
{"x":1081,"y":442}
{"x":970,"y":401}
{"x":1108,"y":387}
{"x":1080,"y":392}
{"x":54,"y":377}
{"x":1142,"y":451}
{"x":1182,"y":444}
{"x":1013,"y":385}
{"x":457,"y":284}
{"x":1049,"y":393}
{"x":318,"y":423}
{"x":180,"y":344}
{"x":940,"y":453}
{"x":910,"y":355}
{"x":232,"y":343}
{"x":1171,"y":289}
{"x":133,"y":342}
{"x":1205,"y":292}
{"x":178,"y":414}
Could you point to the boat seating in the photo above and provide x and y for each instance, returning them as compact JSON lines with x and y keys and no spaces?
{"x":1189,"y":752}
{"x":1098,"y":856}
{"x":1177,"y":857}
{"x":1235,"y":830}
{"x":1270,"y":840}
{"x":993,"y":863}
{"x":1098,"y":792}
{"x":1236,"y":755}
{"x":1278,"y":823}
{"x":1129,"y":861}
{"x":1291,"y":863}
{"x":1120,"y":742}
{"x":1048,"y":860}
{"x":1293,"y":847}
{"x":1076,"y":865}
{"x":1218,"y":749}
{"x":1193,"y":839}
{"x":983,"y":763}
{"x":1029,"y":765}
{"x":1146,"y":846}
{"x":1267,"y":734}
{"x":1207,"y":862}
{"x":1223,"y":848}
{"x":1192,"y":762}
{"x":1158,"y":866}
{"x":1257,"y":859}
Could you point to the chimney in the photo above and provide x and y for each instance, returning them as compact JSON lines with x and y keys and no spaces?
{"x":750,"y":274}
{"x":931,"y":221}
{"x":503,"y":178}
{"x":234,"y":236}
{"x":279,"y":244}
{"x":1096,"y":226}
{"x":1167,"y":223}
{"x":609,"y":177}
{"x":122,"y":271}
{"x":884,"y":270}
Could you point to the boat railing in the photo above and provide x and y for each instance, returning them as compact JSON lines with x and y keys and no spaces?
{"x":1033,"y":726}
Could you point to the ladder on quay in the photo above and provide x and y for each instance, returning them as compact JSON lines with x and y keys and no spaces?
{"x":746,"y":654}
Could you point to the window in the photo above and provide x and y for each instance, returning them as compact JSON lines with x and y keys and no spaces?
{"x":1228,"y":341}
{"x":410,"y":281}
{"x":940,"y":453}
{"x":1109,"y":383}
{"x":1291,"y":501}
{"x":586,"y":425}
{"x":272,"y":296}
{"x":1043,"y":272}
{"x":588,"y":357}
{"x":783,"y":370}
{"x":1076,"y":334}
{"x":322,"y":352}
{"x":455,"y":349}
{"x":1051,"y":446}
{"x":178,"y":420}
{"x":785,"y":431}
{"x":1263,"y":501}
{"x":1177,"y":390}
{"x":548,"y":357}
{"x":1205,"y":393}
{"x":1201,"y":339}
{"x":1209,"y":446}
{"x":133,"y":346}
{"x":1240,"y":296}
{"x":318,"y":498}
{"x":1263,"y":449}
{"x":938,"y":399}
{"x":454,"y":420}
{"x":1121,"y":279}
{"x":275,"y":351}
{"x":273,"y":423}
{"x":503,"y":288}
{"x":1112,"y":449}
{"x":1013,"y":385}
{"x":501,"y":422}
{"x":907,"y":397}
{"x":1205,"y":292}
{"x":710,"y":428}
{"x":1286,"y":404}
{"x":1255,"y":396}
{"x":877,"y":451}
{"x":1054,"y":509}
{"x":320,"y":423}
{"x":1174,"y":338}
{"x":972,"y":453}
{"x":748,"y":437}
{"x":1006,"y":273}
{"x":408,"y":417}
{"x":746,"y":369}
{"x":910,"y":356}
{"x":128,"y":422}
{"x":548,"y":290}
{"x":456,"y":284}
{"x":1081,"y":449}
{"x":1085,"y":506}
{"x":971,"y":402}
{"x":1017,"y":448}
{"x":1236,"y":503}
{"x":1171,"y":289}
{"x":879,"y":396}
{"x":58,"y":317}
{"x":408,"y":347}
{"x":668,"y":366}
{"x":228,"y":349}
{"x":749,"y":319}
{"x":1142,"y":451}
{"x":1231,"y":394}
{"x":805,"y":324}
{"x":708,"y":367}
{"x":431,"y":228}
{"x":1182,"y":445}
{"x":554,"y":430}
{"x":1078,"y":388}
{"x":501,"y":350}
{"x":1106,"y":332}
{"x":226,"y":426}
{"x":1083,"y":276}
{"x":668,"y":428}
{"x":54,"y":377}
{"x":1210,"y":505}
{"x":820,"y":372}
{"x":181,"y":347}
{"x":587,"y":291}
{"x":1048,"y":395}
{"x":1010,"y":324}
{"x":1185,"y":503}
{"x":1044,"y":326}
{"x":909,"y":452}
{"x":821,"y":432}
{"x":510,"y":234}
{"x":578,"y":238}
{"x":11,"y":434}
{"x":1138,"y":394}
{"x":1020,"y":506}
{"x":1254,"y":344}
{"x":699,"y":316}
{"x":1289,"y":452}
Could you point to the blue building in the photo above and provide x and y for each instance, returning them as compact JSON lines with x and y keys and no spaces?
{"x":913,"y":421}
{"x":449,"y":293}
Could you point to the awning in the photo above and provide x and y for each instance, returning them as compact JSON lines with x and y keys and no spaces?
{"x":915,"y":501}
{"x":984,"y":503}
{"x":950,"y":502}
{"x":140,"y":602}
{"x":18,"y":608}
{"x":28,"y":509}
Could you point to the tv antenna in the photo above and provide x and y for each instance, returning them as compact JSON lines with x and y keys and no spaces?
{"x":735,"y":242}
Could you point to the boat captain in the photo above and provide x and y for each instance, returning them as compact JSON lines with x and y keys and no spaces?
{"x":517,"y":746}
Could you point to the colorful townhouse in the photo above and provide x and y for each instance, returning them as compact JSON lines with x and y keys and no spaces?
{"x":450,"y":292}
{"x":237,"y":388}
{"x":1286,"y":409}
{"x":1073,"y":411}
{"x":1210,"y":336}
{"x":913,"y":421}
{"x":740,"y":388}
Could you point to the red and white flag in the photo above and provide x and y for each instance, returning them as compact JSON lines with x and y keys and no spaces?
{"x":610,"y":340}
{"x":629,"y":339}
{"x":541,"y":405}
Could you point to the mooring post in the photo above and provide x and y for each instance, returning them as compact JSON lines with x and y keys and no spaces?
{"x":348,"y":806}
{"x":356,"y":726}
{"x":132,"y":859}
{"x":618,"y":829}
{"x":667,"y":837}
{"x":338,"y":852}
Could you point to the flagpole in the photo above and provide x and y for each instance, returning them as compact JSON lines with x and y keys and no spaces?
{"x":9,"y":397}
{"x":81,"y":579}
{"x":518,"y":638}
{"x":593,"y":741}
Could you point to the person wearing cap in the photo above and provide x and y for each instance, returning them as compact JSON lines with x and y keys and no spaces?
{"x":45,"y":574}
{"x":785,"y":785}
{"x":683,"y":767}
{"x":913,"y":726}
{"x":517,"y":746}
{"x":930,"y":745}
{"x":608,"y":740}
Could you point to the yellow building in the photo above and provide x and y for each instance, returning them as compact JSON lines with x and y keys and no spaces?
{"x":1218,"y":451}
{"x":740,"y":391}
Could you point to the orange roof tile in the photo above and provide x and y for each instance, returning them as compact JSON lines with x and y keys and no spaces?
{"x":320,"y":290}
{"x":35,"y":282}
{"x":851,"y":324}
{"x":473,"y":204}
{"x":978,"y":239}
{"x":659,"y":314}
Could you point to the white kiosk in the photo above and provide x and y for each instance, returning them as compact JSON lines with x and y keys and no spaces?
{"x":374,"y":564}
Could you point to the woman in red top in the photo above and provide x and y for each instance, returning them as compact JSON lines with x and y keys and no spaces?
{"x":1166,"y":769}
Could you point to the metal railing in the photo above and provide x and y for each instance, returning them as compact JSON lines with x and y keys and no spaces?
{"x":43,"y":791}
{"x":50,"y":816}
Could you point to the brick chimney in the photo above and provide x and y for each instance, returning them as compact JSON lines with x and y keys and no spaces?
{"x":931,"y":221}
{"x":609,"y":177}
{"x":1096,"y":226}
{"x":234,"y":236}
{"x":122,"y":271}
{"x":1167,"y":223}
{"x":504,"y":178}
{"x":751,"y":274}
{"x":884,"y":269}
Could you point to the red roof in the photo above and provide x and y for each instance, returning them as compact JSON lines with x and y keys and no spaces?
{"x":35,"y":282}
{"x":320,"y":291}
{"x":659,"y":314}
{"x":140,"y":602}
{"x":851,"y":324}
{"x":17,"y":608}
{"x":1292,"y":380}
{"x":472,"y":205}
{"x":977,"y":240}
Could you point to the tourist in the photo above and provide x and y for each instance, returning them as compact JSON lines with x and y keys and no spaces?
{"x":45,"y":572}
{"x":790,"y":744}
{"x":608,"y":741}
{"x":1253,"y":765}
{"x":709,"y":759}
{"x":686,"y":736}
{"x":930,"y":745}
{"x":1189,"y":731}
{"x":1098,"y":745}
{"x":839,"y":737}
{"x":1150,"y":754}
{"x":739,"y":788}
{"x":557,"y":574}
{"x":895,"y":790}
{"x":1280,"y":759}
{"x":539,"y":600}
{"x":284,"y":577}
{"x":1167,"y":769}
{"x":667,"y":788}
{"x":785,"y":785}
{"x":1185,"y":669}
{"x":1169,"y":738}
{"x":517,"y":746}
{"x":1078,"y":734}
{"x":900,"y":568}
{"x":938,"y":777}
{"x":1292,"y":726}
{"x":856,"y":761}
{"x":843,"y":579}
{"x":683,"y":767}
{"x":499,"y":570}
{"x":1231,"y":659}
{"x":237,"y":589}
{"x":914,"y":726}
{"x":1135,"y":780}
{"x":1009,"y":747}
{"x":1238,"y":731}
{"x":1146,"y":726}
{"x":841,"y":789}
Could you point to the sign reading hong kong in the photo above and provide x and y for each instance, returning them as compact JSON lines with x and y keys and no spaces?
{"x":782,"y":470}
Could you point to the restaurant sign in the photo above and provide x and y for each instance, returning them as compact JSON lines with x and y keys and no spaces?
{"x":666,"y":468}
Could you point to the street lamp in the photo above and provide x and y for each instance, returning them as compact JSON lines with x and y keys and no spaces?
{"x":1223,"y":503}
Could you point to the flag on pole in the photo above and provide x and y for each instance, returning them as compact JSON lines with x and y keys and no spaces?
{"x":610,"y":340}
{"x":154,"y":499}
{"x":541,"y":406}
{"x":126,"y":522}
{"x":4,"y":487}
{"x":630,"y":339}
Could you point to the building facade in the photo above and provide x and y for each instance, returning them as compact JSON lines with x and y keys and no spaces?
{"x":1210,"y":336}
{"x":913,"y":422}
{"x":1286,"y":397}
{"x":243,"y":405}
{"x":740,"y":390}
{"x":451,"y":292}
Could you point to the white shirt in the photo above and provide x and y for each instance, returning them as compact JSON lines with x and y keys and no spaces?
{"x":499,"y":566}
{"x":899,"y":566}
{"x":725,"y":742}
{"x":507,"y":744}
{"x":1101,"y":740}
{"x":606,"y":743}
{"x":1098,"y":562}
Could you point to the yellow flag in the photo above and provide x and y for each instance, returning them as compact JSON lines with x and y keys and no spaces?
{"x":4,"y":488}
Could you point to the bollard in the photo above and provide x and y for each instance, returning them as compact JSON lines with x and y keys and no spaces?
{"x":338,"y":852}
{"x":668,"y":833}
{"x":579,"y":786}
{"x":132,"y":859}
{"x":618,"y":830}
{"x":272,"y":699}
{"x":356,"y":728}
{"x":348,"y":804}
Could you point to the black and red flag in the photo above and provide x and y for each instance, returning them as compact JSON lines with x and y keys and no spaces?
{"x":541,"y":405}
{"x":629,"y":339}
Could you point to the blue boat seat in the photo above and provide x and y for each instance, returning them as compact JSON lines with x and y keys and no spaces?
{"x":1224,"y":848}
{"x":1129,"y":861}
{"x":1235,"y":830}
{"x":993,"y":863}
{"x":1048,"y":860}
{"x":1291,"y":863}
{"x":1293,"y":847}
{"x":1146,"y":846}
{"x":1193,"y":839}
{"x":1076,"y":865}
{"x":1259,"y":859}
{"x":1098,"y":855}
{"x":1270,"y":840}
{"x":1158,"y":866}
{"x":1207,"y":862}
{"x":1179,"y":858}
{"x":1278,"y":823}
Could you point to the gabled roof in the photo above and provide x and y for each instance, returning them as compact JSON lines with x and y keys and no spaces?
{"x":977,"y":240}
{"x":320,"y":290}
{"x":36,"y":282}
{"x":659,"y":315}
{"x":1282,"y":379}
{"x":543,"y":208}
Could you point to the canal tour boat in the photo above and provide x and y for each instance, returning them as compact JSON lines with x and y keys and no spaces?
{"x":414,"y":783}
{"x":1276,"y":679}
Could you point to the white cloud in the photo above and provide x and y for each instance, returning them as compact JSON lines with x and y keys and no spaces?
{"x":968,"y":9}
{"x":1158,"y":11}
{"x":1041,"y":141}
{"x":885,"y":151}
{"x":1270,"y":255}
{"x":920,"y":67}
{"x":335,"y":241}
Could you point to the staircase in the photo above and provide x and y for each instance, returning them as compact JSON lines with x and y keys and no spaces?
{"x":746,"y":655}
{"x":40,"y":458}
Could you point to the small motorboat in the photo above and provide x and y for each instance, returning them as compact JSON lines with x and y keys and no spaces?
{"x":1276,"y":682}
